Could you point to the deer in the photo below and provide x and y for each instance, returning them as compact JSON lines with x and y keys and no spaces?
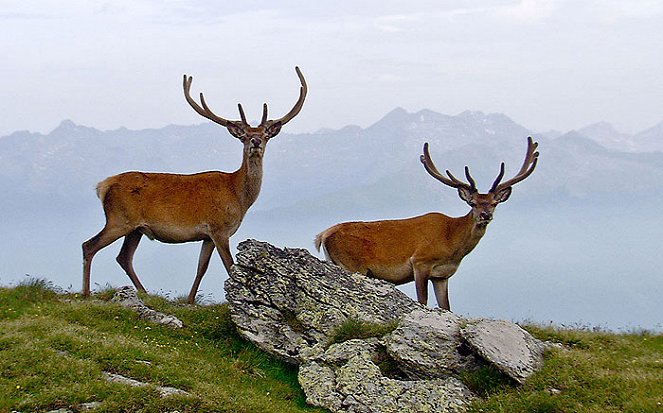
{"x":425,"y":247}
{"x":177,"y":208}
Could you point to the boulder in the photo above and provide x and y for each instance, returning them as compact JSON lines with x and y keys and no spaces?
{"x":347,"y":378}
{"x":428,"y":344}
{"x":505,"y":345}
{"x":289,"y":303}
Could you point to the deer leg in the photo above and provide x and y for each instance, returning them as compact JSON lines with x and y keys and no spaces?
{"x":441,"y":288}
{"x":126,"y":256}
{"x":421,"y":275}
{"x":104,"y":238}
{"x":223,"y":248}
{"x":203,"y":262}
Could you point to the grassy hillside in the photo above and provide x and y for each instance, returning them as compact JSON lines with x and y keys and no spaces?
{"x":55,"y":347}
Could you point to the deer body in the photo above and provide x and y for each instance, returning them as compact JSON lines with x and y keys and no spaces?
{"x":390,"y":251}
{"x":422,"y":248}
{"x":202,"y":203}
{"x":171,"y":208}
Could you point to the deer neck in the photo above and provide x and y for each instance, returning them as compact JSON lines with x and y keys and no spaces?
{"x":248,"y":180}
{"x":470,"y":233}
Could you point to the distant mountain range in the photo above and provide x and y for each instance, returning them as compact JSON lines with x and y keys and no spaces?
{"x":595,"y":161}
{"x":578,"y":241}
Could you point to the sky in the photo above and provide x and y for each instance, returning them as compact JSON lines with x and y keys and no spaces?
{"x":547,"y":64}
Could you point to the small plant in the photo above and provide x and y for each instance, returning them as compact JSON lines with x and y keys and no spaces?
{"x":355,"y":328}
{"x":106,"y":293}
{"x":291,"y":319}
{"x":486,"y":380}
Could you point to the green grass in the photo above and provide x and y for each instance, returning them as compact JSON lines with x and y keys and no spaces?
{"x":599,"y":372}
{"x":353,"y":328}
{"x":55,"y":346}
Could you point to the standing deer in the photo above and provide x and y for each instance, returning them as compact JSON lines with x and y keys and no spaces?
{"x":207,"y":206}
{"x":426,"y":247}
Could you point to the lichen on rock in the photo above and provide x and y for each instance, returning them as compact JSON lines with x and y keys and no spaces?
{"x":289,"y":303}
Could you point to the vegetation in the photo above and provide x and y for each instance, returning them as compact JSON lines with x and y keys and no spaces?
{"x":354,"y":328}
{"x":54,"y":347}
{"x":598,"y":371}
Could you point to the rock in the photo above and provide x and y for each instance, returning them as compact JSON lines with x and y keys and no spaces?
{"x":427,"y":344}
{"x":346,"y":379}
{"x":126,"y":297}
{"x":287,"y":301}
{"x":164,"y":391}
{"x":507,"y":346}
{"x":90,"y":406}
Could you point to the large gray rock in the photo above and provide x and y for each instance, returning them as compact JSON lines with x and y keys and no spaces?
{"x":289,"y":303}
{"x":427,"y":344}
{"x":507,"y":346}
{"x":286,"y":301}
{"x":346,"y":378}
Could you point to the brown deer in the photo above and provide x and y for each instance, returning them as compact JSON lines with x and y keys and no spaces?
{"x":426,"y":247}
{"x":172,"y":208}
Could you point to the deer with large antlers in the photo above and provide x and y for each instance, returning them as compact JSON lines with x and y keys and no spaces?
{"x":426,"y":247}
{"x":172,"y":208}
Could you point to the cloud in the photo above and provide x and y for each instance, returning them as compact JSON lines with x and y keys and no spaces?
{"x":395,"y":23}
{"x":529,"y":11}
{"x":611,"y":12}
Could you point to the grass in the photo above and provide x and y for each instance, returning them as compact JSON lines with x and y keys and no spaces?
{"x":54,"y":347}
{"x":353,"y":328}
{"x":599,"y":372}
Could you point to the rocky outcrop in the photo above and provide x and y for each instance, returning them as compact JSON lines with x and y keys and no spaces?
{"x":287,"y":301}
{"x":347,"y":377}
{"x":290,"y":304}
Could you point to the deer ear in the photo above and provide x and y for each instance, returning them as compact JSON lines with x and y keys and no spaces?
{"x":273,"y":129}
{"x":503,"y":195}
{"x":235,"y":131}
{"x":465,"y":194}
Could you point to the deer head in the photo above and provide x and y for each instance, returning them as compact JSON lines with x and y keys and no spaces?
{"x":483,"y":205}
{"x":253,"y":138}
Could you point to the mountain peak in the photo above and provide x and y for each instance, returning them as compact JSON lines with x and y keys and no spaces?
{"x":396,"y":114}
{"x":68,"y":127}
{"x":602,"y":127}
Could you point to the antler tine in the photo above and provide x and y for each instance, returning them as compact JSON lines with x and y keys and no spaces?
{"x":498,"y":179}
{"x":264,"y":114}
{"x":241,"y":114}
{"x":469,"y":177}
{"x":300,"y":102}
{"x":452,"y":181}
{"x":202,"y":111}
{"x":531,"y":158}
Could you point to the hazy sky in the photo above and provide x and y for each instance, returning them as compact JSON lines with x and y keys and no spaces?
{"x":545,"y":63}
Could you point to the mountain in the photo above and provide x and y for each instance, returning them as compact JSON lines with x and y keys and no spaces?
{"x":650,"y":139}
{"x":577,"y":241}
{"x":605,"y":134}
{"x":69,"y":161}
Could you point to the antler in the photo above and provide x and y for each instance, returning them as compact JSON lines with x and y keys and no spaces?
{"x":451,"y":181}
{"x":531,"y":158}
{"x":295,"y":109}
{"x":206,"y":112}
